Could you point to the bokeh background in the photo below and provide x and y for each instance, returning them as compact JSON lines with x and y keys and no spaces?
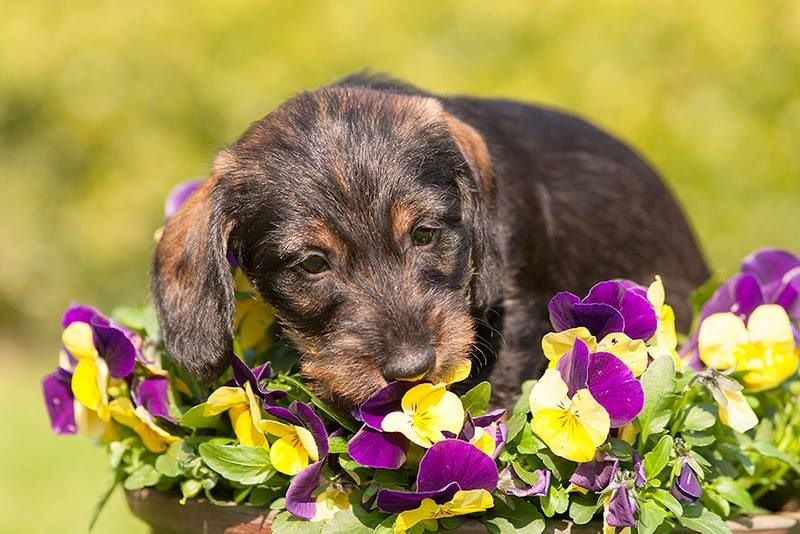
{"x":104,"y":105}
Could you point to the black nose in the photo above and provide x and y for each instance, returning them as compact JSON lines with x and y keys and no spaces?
{"x":410,"y":364}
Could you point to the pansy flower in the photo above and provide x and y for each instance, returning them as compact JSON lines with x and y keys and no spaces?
{"x":686,"y":486}
{"x":575,"y":405}
{"x":138,"y":419}
{"x":454,"y":478}
{"x":487,"y":432}
{"x":596,"y":474}
{"x":403,"y":412}
{"x":620,"y":508}
{"x":240,"y":402}
{"x":302,"y":438}
{"x":512,"y":484}
{"x":765,"y":349}
{"x":734,"y":410}
{"x":179,"y":194}
{"x":314,"y":496}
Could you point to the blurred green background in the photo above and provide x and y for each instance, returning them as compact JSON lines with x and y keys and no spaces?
{"x":104,"y":105}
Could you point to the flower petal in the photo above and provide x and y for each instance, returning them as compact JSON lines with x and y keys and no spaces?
{"x":408,"y":519}
{"x":299,"y":500}
{"x":613,"y":385}
{"x":631,"y":351}
{"x":222,"y":399}
{"x":178,"y":195}
{"x":457,"y":461}
{"x":394,"y":501}
{"x":562,"y":310}
{"x":380,"y":450}
{"x":152,"y":393}
{"x":736,"y":412}
{"x":78,"y":339}
{"x":622,"y":508}
{"x":686,"y":487}
{"x":511,"y":484}
{"x":244,"y":427}
{"x":402,"y":423}
{"x":601,"y":319}
{"x":769,"y":265}
{"x":385,"y":400}
{"x":79,"y":313}
{"x":549,"y":392}
{"x":59,"y":400}
{"x":116,"y":347}
{"x":770,"y":324}
{"x":718,"y":338}
{"x":596,"y":474}
{"x":574,"y":367}
{"x":288,"y":456}
{"x":637,"y":312}
{"x":556,"y":344}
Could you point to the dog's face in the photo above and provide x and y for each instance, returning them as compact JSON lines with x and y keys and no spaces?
{"x":361,"y":217}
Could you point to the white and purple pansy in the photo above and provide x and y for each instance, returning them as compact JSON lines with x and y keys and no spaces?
{"x":454,"y":478}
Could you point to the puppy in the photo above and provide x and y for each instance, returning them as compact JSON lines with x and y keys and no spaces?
{"x":398,"y":232}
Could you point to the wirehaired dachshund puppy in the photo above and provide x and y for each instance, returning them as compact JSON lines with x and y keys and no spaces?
{"x":398,"y":232}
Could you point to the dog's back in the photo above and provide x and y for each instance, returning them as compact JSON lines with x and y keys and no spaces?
{"x":573,"y":206}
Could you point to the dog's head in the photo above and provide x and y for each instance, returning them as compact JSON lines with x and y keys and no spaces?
{"x":361,"y":216}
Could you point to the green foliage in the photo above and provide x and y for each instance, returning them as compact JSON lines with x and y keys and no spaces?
{"x":238,"y":463}
{"x":476,"y":400}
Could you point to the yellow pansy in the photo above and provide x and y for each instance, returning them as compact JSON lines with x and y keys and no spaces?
{"x":484,"y":441}
{"x":462,"y":503}
{"x":155,"y":438}
{"x":665,"y":339}
{"x":572,"y":428}
{"x":427,"y":411}
{"x":764,"y":349}
{"x":633,"y":352}
{"x":90,"y":376}
{"x":243,"y":410}
{"x":294,"y":448}
{"x":252,"y":316}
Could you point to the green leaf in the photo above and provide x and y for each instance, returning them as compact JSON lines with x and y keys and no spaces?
{"x":190,"y":488}
{"x":345,"y":522}
{"x":144,"y":476}
{"x":345,"y":421}
{"x":286,"y":523}
{"x":101,"y":504}
{"x":193,"y":418}
{"x":583,"y":508}
{"x":167,"y":464}
{"x":529,"y":443}
{"x":523,"y":405}
{"x":656,"y":460}
{"x":451,"y":523}
{"x":476,"y":400}
{"x":141,"y":318}
{"x":658,"y":382}
{"x":555,"y":502}
{"x":238,"y":463}
{"x":734,"y":492}
{"x":651,"y":516}
{"x":337,"y":445}
{"x":698,"y":439}
{"x":700,"y":417}
{"x":700,"y":519}
{"x":715,"y":502}
{"x":515,"y":424}
{"x":523,"y":517}
{"x":665,"y":499}
{"x":770,"y":451}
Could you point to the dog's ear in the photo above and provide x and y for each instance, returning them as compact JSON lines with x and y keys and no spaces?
{"x":477,"y":193}
{"x":191,"y":283}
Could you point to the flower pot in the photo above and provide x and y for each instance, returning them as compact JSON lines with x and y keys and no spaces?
{"x":165,"y":515}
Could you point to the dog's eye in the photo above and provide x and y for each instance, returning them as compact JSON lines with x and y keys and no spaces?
{"x":422,"y":235}
{"x":314,"y":264}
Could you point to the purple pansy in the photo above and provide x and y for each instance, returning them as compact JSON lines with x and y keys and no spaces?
{"x":243,"y":374}
{"x":371,"y":447}
{"x":610,"y":306}
{"x":153,"y":394}
{"x":178,"y":195}
{"x":59,"y":400}
{"x":117,"y":345}
{"x":488,"y":424}
{"x":300,"y":414}
{"x":622,"y":508}
{"x":768,"y":276}
{"x":608,"y":379}
{"x":686,"y":486}
{"x":511,"y":484}
{"x":639,"y":475}
{"x":596,"y":475}
{"x":447,"y":467}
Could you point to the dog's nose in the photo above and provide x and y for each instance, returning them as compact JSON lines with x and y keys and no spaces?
{"x":410,"y":364}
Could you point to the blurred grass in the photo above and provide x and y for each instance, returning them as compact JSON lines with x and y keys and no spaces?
{"x":104,"y":105}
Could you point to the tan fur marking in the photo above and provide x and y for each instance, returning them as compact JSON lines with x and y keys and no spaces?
{"x":474,"y":149}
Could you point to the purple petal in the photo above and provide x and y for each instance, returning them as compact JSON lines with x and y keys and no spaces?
{"x":385,"y":400}
{"x":242,"y":373}
{"x":640,"y":477}
{"x":630,"y":285}
{"x":613,"y":385}
{"x":601,"y":319}
{"x":312,"y":422}
{"x":376,"y":449}
{"x":511,"y":484}
{"x":787,"y":295}
{"x":59,"y":401}
{"x":686,"y":487}
{"x":489,"y":418}
{"x":769,"y":265}
{"x":562,"y":310}
{"x":597,"y":474}
{"x":79,"y":313}
{"x":394,"y":502}
{"x":574,"y":367}
{"x":639,"y":316}
{"x":115,"y":347}
{"x":622,"y":508}
{"x":152,"y":393}
{"x":453,"y":460}
{"x":178,"y":195}
{"x":299,"y":500}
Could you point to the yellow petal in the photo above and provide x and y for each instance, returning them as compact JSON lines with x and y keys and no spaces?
{"x":87,"y":421}
{"x":86,"y":382}
{"x":458,"y":372}
{"x":628,"y":433}
{"x":78,"y":339}
{"x":484,"y":441}
{"x":288,"y":456}
{"x":123,"y":412}
{"x":719,"y":337}
{"x":252,"y":403}
{"x":592,"y":415}
{"x":549,"y":392}
{"x":445,"y":413}
{"x":556,"y":344}
{"x":308,"y":442}
{"x":223,"y":399}
{"x":276,"y":428}
{"x":329,"y":502}
{"x":769,"y":323}
{"x":403,"y":423}
{"x":656,"y":294}
{"x":769,"y":364}
{"x":406,"y":520}
{"x":633,"y":352}
{"x":737,"y":413}
{"x":426,"y":392}
{"x":244,"y":428}
{"x":469,"y":502}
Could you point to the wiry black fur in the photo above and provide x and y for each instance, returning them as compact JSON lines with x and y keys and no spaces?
{"x":569,"y":206}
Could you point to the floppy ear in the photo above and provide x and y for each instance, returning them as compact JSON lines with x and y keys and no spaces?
{"x":192,"y":286}
{"x":477,"y":193}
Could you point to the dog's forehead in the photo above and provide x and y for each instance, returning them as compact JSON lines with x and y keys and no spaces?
{"x":349,"y":155}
